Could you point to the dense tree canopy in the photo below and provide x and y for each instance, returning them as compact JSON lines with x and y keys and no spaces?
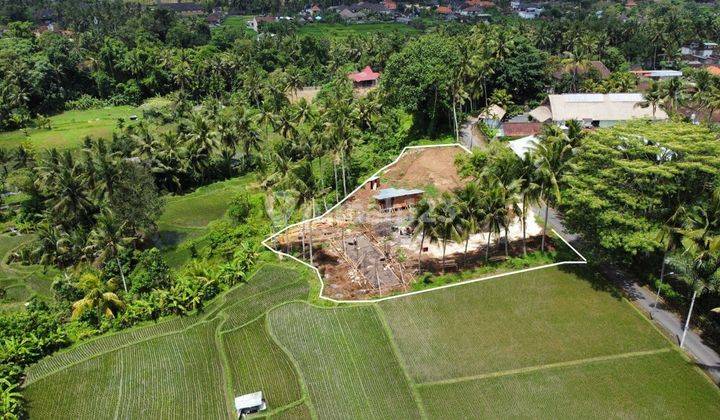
{"x":627,"y":181}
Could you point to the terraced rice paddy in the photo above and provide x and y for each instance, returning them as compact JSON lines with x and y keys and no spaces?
{"x":547,"y":344}
{"x":346,"y":360}
{"x":21,"y":282}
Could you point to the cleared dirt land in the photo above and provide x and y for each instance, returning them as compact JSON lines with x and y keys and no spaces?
{"x":554,"y":344}
{"x":365,"y":248}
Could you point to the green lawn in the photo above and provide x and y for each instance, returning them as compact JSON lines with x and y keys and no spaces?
{"x":340,"y":30}
{"x":70,"y":128}
{"x":554,"y":343}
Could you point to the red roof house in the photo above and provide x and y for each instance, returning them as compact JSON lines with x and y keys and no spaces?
{"x":390,"y":4}
{"x":365,"y":78}
{"x":444,"y":10}
{"x":521,"y":129}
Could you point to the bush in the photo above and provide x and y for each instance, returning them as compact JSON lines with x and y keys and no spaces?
{"x":86,"y":102}
{"x":240,"y":207}
{"x":151,"y":272}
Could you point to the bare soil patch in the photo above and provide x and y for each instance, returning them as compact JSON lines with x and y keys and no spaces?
{"x":364,"y":251}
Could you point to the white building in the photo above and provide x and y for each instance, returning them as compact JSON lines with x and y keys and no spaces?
{"x":596,"y":109}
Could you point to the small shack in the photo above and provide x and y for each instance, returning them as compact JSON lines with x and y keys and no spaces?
{"x":250,"y":403}
{"x":373,"y":183}
{"x":366,"y":78}
{"x":390,"y":199}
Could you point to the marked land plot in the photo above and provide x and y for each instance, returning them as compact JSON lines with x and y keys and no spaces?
{"x":345,"y":360}
{"x":534,"y":318}
{"x":660,"y":385}
{"x":257,"y":363}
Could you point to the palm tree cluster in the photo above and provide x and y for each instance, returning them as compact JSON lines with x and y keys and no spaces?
{"x":692,"y":249}
{"x":501,"y":191}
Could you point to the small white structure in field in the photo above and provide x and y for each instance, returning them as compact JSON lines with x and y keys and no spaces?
{"x":250,"y":403}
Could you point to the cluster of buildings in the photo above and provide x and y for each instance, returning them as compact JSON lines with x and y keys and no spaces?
{"x":402,"y":11}
{"x":593,"y":110}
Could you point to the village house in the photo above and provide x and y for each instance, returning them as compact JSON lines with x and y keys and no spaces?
{"x":699,"y":53}
{"x":595,"y":109}
{"x":256,"y":21}
{"x":657,"y":74}
{"x":520,"y":128}
{"x":492,"y":116}
{"x":444,"y":10}
{"x":364,"y":79}
{"x":390,"y":199}
{"x":185,"y":9}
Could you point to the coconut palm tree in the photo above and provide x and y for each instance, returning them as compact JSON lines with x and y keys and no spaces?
{"x":698,"y":263}
{"x":553,"y":153}
{"x":423,"y":223}
{"x":529,"y":190}
{"x":654,"y":97}
{"x":495,"y":208}
{"x":107,"y":239}
{"x":510,"y":194}
{"x":97,"y":298}
{"x":448,"y":223}
{"x":469,"y":200}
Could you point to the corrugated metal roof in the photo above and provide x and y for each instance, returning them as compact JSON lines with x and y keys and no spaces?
{"x":386,"y":193}
{"x":610,"y":107}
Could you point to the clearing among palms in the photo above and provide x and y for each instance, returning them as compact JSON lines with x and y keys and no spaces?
{"x":415,"y":218}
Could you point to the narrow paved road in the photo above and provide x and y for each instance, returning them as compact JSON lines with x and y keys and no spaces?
{"x":467,"y":136}
{"x":663,"y":316}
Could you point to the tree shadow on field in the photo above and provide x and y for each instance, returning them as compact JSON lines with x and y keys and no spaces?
{"x":598,"y":281}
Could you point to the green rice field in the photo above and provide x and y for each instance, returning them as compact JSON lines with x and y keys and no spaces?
{"x":21,"y":282}
{"x":552,"y":343}
{"x":70,"y":128}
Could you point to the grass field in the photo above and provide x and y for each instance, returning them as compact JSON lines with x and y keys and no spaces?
{"x":186,"y":216}
{"x":339,"y":30}
{"x":554,"y":343}
{"x":534,"y":318}
{"x":21,"y":282}
{"x":660,"y":385}
{"x":70,"y":127}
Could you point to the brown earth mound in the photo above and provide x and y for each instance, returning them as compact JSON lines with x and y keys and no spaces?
{"x":431,"y":166}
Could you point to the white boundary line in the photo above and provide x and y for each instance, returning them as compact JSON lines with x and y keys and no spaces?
{"x":460,"y":283}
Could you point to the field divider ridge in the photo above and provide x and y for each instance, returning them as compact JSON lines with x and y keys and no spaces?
{"x":548,"y":366}
{"x":304,"y":391}
{"x":401,"y":360}
{"x":206,"y":317}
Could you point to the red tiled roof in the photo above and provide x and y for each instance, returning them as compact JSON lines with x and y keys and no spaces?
{"x":714,"y":70}
{"x":444,"y":10}
{"x":390,"y":4}
{"x":521,"y":129}
{"x":480,"y":3}
{"x":367,"y":74}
